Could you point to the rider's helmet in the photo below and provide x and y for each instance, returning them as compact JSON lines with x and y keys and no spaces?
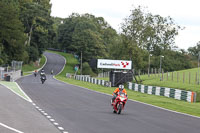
{"x":121,"y":87}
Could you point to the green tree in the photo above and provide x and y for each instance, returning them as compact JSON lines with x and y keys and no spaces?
{"x":194,"y":51}
{"x":144,"y":34}
{"x":11,"y":33}
{"x":150,"y":31}
{"x":35,"y":16}
{"x":87,"y":33}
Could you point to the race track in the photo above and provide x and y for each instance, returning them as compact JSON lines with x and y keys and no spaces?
{"x":80,"y":110}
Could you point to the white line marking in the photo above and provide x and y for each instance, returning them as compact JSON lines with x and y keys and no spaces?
{"x":45,"y":114}
{"x":15,"y":92}
{"x":60,"y":128}
{"x":52,"y":120}
{"x":65,"y":132}
{"x":63,"y":65}
{"x":17,"y":131}
{"x":55,"y":123}
{"x":44,"y":63}
{"x":48,"y":116}
{"x":23,"y":92}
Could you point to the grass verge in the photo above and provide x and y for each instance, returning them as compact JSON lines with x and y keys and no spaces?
{"x":29,"y":68}
{"x":168,"y":103}
{"x":15,"y":88}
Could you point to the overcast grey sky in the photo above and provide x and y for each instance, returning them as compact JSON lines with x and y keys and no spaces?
{"x":185,"y":13}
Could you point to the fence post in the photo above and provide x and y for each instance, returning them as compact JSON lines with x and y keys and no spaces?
{"x":177,"y":76}
{"x":196,"y":78}
{"x":167,"y":75}
{"x":189,"y":77}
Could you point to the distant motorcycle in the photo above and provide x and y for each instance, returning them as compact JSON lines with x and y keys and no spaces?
{"x":43,"y":78}
{"x":35,"y":74}
{"x":119,"y":103}
{"x":51,"y":72}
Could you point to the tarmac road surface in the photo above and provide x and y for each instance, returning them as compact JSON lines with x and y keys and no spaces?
{"x":80,"y":110}
{"x":17,"y":114}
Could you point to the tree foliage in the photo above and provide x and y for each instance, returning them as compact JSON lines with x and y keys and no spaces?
{"x":87,"y":34}
{"x":27,"y":29}
{"x":11,"y":33}
{"x":144,"y":33}
{"x":24,"y":24}
{"x":38,"y":24}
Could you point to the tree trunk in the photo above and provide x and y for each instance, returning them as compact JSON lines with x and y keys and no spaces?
{"x":30,"y":34}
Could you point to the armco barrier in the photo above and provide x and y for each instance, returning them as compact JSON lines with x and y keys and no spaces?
{"x":92,"y":80}
{"x":162,"y":91}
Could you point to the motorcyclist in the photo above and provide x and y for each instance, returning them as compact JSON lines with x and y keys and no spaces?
{"x":42,"y":74}
{"x":52,"y":71}
{"x":120,"y":88}
{"x":35,"y":73}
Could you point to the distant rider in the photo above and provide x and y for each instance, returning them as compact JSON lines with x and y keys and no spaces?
{"x":51,"y":71}
{"x":121,"y":88}
{"x":35,"y":73}
{"x":42,"y":74}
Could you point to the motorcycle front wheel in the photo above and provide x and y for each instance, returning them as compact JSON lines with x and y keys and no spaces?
{"x":119,"y":109}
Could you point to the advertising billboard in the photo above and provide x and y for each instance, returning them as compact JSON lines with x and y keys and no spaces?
{"x":114,"y":64}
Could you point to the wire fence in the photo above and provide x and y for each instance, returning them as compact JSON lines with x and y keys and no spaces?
{"x":191,"y":76}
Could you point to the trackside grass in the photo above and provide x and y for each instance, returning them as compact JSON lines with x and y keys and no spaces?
{"x":15,"y":88}
{"x":168,"y":103}
{"x":70,"y":63}
{"x":29,"y":68}
{"x":184,"y":80}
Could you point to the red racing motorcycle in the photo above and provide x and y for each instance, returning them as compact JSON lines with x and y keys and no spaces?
{"x":119,"y":102}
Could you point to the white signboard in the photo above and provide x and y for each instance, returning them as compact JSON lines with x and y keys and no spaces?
{"x":114,"y":64}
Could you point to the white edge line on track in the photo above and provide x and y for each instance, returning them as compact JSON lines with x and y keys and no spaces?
{"x":17,"y":131}
{"x":44,"y":63}
{"x":45,"y":114}
{"x":129,"y":99}
{"x":29,"y":100}
{"x":135,"y":101}
{"x":63,"y":65}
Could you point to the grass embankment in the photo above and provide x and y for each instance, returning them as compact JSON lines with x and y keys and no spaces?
{"x":15,"y":88}
{"x":168,"y":103}
{"x":71,"y":61}
{"x":29,"y":68}
{"x":185,"y":80}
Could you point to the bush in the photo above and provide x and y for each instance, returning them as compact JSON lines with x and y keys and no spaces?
{"x":87,"y":69}
{"x":32,"y":53}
